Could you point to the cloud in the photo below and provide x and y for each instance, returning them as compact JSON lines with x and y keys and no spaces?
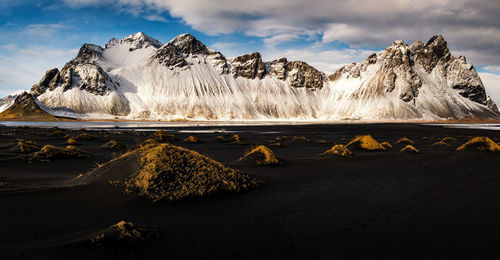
{"x":492,"y":84}
{"x":492,"y":68}
{"x":42,"y":30}
{"x":470,"y":26}
{"x":25,"y":66}
{"x":155,"y":18}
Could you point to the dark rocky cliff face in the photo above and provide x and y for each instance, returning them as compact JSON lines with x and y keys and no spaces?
{"x":249,"y":66}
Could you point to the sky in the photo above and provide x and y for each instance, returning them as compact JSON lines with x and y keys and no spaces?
{"x":43,"y":34}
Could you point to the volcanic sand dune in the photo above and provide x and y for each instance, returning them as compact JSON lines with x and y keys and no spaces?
{"x":260,"y":155}
{"x":20,"y":146}
{"x":480,"y":143}
{"x":366,"y":143}
{"x":49,"y":152}
{"x":169,"y":173}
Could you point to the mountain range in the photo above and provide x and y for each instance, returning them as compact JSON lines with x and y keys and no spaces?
{"x":139,"y":78}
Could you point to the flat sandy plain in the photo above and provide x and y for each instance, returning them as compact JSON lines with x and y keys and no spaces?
{"x":441,"y":203}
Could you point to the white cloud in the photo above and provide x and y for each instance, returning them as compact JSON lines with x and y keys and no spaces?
{"x":42,"y":30}
{"x":492,"y":84}
{"x":20,"y":68}
{"x":492,"y":68}
{"x":471,"y":26}
{"x":155,"y":18}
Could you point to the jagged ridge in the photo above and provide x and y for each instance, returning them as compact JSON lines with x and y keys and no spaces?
{"x":137,"y":77}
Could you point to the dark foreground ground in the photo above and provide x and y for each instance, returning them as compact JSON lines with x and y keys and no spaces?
{"x":377,"y":205}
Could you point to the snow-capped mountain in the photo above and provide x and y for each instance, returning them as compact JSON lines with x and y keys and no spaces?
{"x":139,"y":78}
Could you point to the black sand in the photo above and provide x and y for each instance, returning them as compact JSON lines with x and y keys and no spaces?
{"x":378,"y":205}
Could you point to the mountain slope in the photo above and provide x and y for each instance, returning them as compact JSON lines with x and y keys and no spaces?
{"x":138,"y":78}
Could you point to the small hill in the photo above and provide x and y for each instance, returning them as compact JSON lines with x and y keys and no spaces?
{"x":26,"y":107}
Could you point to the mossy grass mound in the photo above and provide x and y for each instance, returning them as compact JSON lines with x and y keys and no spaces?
{"x":191,"y":139}
{"x":21,"y":146}
{"x":405,"y":140}
{"x":448,"y":139}
{"x":165,"y":172}
{"x":220,"y":139}
{"x":410,"y":149}
{"x":84,"y":136}
{"x":260,"y":155}
{"x":163,"y":136}
{"x":441,"y":143}
{"x":300,"y":139}
{"x":339,"y":150}
{"x":236,"y":139}
{"x":366,"y":143}
{"x":480,"y":143}
{"x":49,"y":152}
{"x":387,"y":146}
{"x":72,"y":141}
{"x":123,"y":233}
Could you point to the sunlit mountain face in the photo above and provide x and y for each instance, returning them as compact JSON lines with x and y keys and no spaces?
{"x":138,"y":77}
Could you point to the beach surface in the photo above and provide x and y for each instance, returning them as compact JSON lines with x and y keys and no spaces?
{"x":439,"y":203}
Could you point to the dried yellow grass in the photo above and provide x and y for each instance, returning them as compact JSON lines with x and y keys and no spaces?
{"x":220,"y":139}
{"x":122,"y":232}
{"x":236,"y":139}
{"x":50,"y":152}
{"x":448,"y":139}
{"x":386,"y":145}
{"x":163,"y":136}
{"x":26,"y":146}
{"x":260,"y":155}
{"x":84,"y":136}
{"x":171,"y":173}
{"x":72,"y":141}
{"x":405,"y":140}
{"x":410,"y":149}
{"x":300,"y":139}
{"x":149,"y":141}
{"x":441,"y":143}
{"x":322,"y":141}
{"x":275,"y":140}
{"x":191,"y":139}
{"x":480,"y":143}
{"x":365,"y":142}
{"x":339,"y":150}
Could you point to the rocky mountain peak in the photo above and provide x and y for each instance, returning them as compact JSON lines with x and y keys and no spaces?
{"x":87,"y":54}
{"x":248,"y":66}
{"x":49,"y":81}
{"x":188,"y":44}
{"x":137,"y":41}
{"x":174,"y":53}
{"x":435,"y":50}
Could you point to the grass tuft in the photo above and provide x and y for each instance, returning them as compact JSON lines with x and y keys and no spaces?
{"x":261,"y":155}
{"x":410,"y":149}
{"x":480,"y":143}
{"x":365,"y":142}
{"x":191,"y":139}
{"x":339,"y":150}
